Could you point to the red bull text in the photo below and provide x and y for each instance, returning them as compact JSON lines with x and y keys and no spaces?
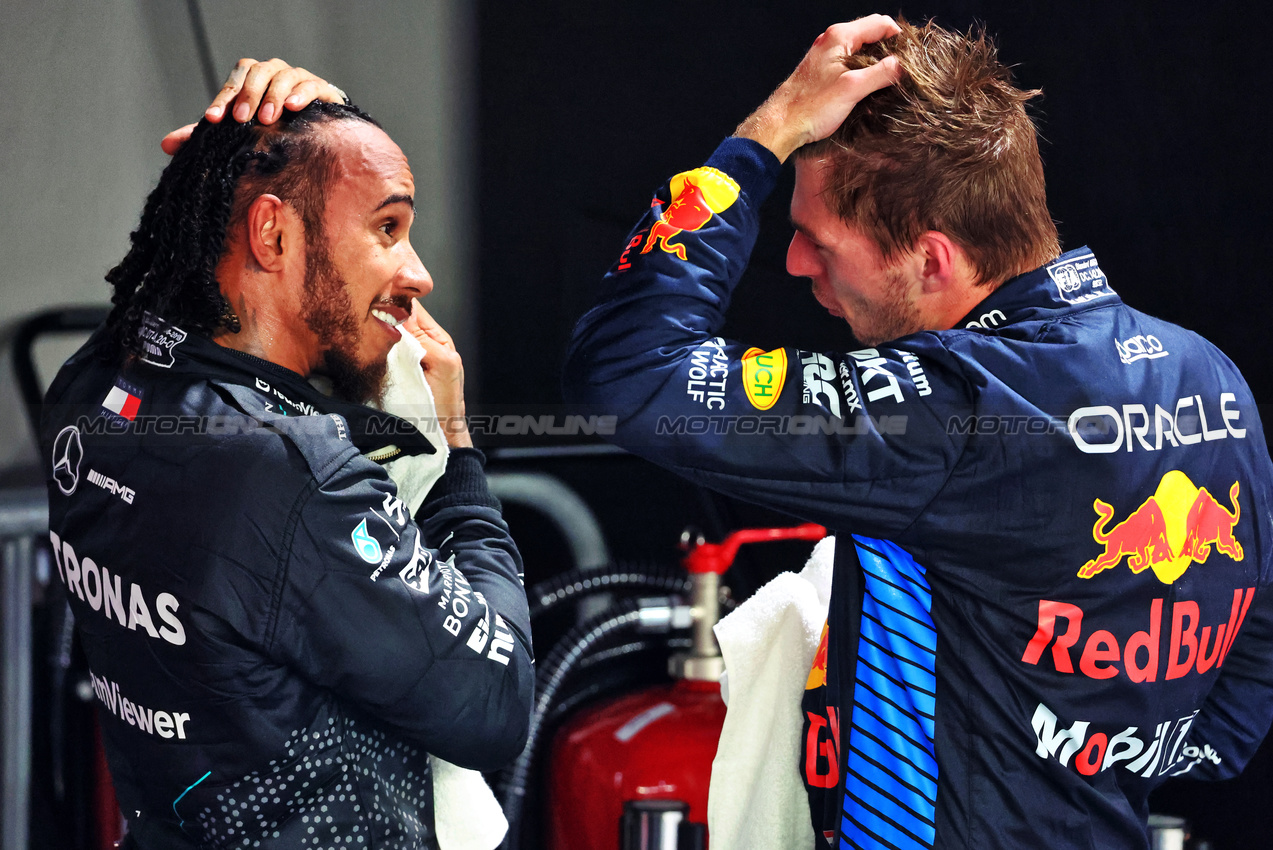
{"x":1104,"y":655}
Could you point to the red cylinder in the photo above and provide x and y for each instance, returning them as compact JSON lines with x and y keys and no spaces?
{"x":657,"y":744}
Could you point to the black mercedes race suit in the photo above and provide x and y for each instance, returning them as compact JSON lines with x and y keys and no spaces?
{"x":276,"y":646}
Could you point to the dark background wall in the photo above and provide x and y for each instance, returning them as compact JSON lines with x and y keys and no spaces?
{"x":1154,"y":117}
{"x":1155,"y":128}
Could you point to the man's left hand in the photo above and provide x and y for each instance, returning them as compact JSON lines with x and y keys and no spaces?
{"x":263,"y":89}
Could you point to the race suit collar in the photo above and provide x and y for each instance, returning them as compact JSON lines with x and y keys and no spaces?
{"x":1073,"y":281}
{"x":282,"y":391}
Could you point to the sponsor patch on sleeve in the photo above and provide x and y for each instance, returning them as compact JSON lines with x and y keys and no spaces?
{"x":415,"y":575}
{"x":696,"y":196}
{"x":367,"y":547}
{"x":764,"y":373}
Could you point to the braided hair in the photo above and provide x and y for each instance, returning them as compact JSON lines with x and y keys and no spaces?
{"x":170,"y":268}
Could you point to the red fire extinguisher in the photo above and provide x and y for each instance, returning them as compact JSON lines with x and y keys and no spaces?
{"x":632,"y":773}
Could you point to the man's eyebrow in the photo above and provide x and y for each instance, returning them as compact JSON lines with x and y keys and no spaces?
{"x":804,"y":231}
{"x":397,"y":199}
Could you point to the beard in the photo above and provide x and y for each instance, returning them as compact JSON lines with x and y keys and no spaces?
{"x":894,"y":315}
{"x":329,"y":312}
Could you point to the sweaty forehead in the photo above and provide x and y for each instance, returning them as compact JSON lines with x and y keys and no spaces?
{"x":368,"y":162}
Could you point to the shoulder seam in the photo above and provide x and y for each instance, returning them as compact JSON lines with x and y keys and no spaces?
{"x":962,"y":449}
{"x":285,"y":560}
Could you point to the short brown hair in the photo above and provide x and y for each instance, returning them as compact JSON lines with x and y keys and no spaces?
{"x":949,"y":148}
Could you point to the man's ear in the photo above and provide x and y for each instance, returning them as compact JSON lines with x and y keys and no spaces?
{"x":273,"y":230}
{"x":939,"y":260}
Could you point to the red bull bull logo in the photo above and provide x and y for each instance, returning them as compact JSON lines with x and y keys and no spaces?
{"x":1173,"y":529}
{"x":696,"y":196}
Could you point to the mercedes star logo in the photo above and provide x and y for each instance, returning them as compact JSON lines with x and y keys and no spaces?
{"x":67,"y":454}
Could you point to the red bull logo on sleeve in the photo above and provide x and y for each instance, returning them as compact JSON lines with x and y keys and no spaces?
{"x":1176,"y":527}
{"x":696,"y":196}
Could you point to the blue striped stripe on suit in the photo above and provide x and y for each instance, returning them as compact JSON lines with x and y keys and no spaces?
{"x":890,"y":791}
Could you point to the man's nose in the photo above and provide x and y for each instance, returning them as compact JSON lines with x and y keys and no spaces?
{"x":413,"y":276}
{"x":800,"y":258}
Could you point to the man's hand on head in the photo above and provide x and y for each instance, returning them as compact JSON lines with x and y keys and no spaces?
{"x":263,"y":89}
{"x":822,"y":91}
{"x":444,"y":372}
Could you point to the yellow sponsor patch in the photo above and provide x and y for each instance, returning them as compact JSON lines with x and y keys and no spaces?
{"x":764,"y":373}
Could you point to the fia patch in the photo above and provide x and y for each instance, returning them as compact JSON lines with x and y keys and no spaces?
{"x":1079,"y":279}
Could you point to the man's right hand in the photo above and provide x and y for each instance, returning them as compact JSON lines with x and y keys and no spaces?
{"x":263,"y":89}
{"x":444,"y":372}
{"x":821,"y":92}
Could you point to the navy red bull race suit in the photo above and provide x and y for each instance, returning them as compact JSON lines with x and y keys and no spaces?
{"x":1052,"y":568}
{"x":275,"y":644}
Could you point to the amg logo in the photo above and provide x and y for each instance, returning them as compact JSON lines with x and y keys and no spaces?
{"x":111,"y":486}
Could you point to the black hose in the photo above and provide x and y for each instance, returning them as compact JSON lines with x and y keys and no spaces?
{"x":656,"y":642}
{"x":579,"y":582}
{"x":594,"y":689}
{"x":551,"y":677}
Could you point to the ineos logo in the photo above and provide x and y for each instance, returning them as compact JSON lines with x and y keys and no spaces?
{"x":68,"y":451}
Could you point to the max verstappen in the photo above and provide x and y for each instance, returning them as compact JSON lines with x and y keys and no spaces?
{"x":1051,"y":580}
{"x":276,"y":644}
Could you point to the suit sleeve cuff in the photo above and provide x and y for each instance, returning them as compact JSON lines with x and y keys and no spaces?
{"x":751,"y":164}
{"x":463,"y":483}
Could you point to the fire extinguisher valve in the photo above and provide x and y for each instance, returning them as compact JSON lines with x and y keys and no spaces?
{"x":703,"y":662}
{"x":705,"y":563}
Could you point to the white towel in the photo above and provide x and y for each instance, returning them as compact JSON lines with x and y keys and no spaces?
{"x":756,"y":798}
{"x":466,"y":814}
{"x":407,"y":395}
